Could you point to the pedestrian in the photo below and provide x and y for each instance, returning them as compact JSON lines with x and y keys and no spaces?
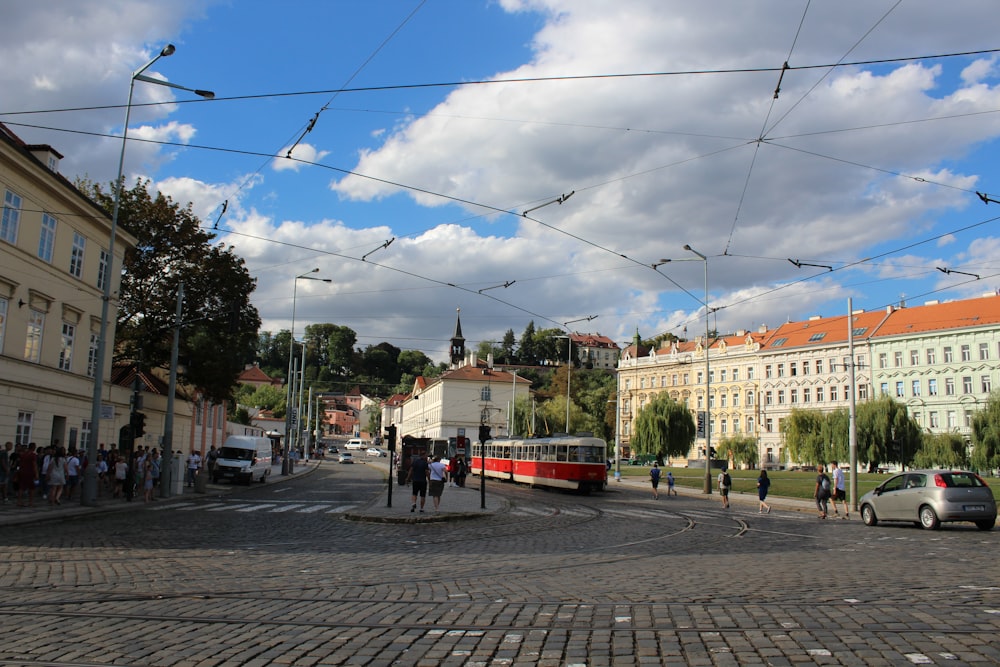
{"x":121,"y":474}
{"x":102,"y":474}
{"x":154,"y":461}
{"x":5,"y":469}
{"x":438,"y":476}
{"x":670,"y":484}
{"x":763,"y":484}
{"x":213,"y":457}
{"x":57,"y":475}
{"x":417,"y":477}
{"x":44,"y":459}
{"x":461,"y":470}
{"x":839,"y":491}
{"x":725,"y":482}
{"x":822,"y":492}
{"x":654,"y":479}
{"x":27,"y":466}
{"x":193,"y":466}
{"x":72,"y":473}
{"x":147,"y":480}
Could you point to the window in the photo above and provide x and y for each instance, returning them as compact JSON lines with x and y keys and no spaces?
{"x":749,"y":399}
{"x":899,"y":389}
{"x":915,"y":387}
{"x":11,"y":217}
{"x":805,"y":368}
{"x":847,"y":361}
{"x":793,"y":369}
{"x":779,"y":342}
{"x":724,"y":398}
{"x":673,"y":379}
{"x":736,"y":375}
{"x":711,"y":401}
{"x":711,"y":375}
{"x":952,"y":420}
{"x":768,"y":398}
{"x":863,"y":392}
{"x":884,"y":388}
{"x":736,"y":399}
{"x":628,"y":383}
{"x":700,"y":377}
{"x":66,"y":348}
{"x":76,"y":255}
{"x":768,"y":426}
{"x":819,"y":366}
{"x":33,"y":340}
{"x":749,"y":372}
{"x":687,"y":378}
{"x":897,"y":359}
{"x":816,"y":337}
{"x":484,"y":393}
{"x":642,"y":385}
{"x":47,"y":238}
{"x":948,"y":356}
{"x":966,"y":353}
{"x":724,"y":423}
{"x":781,"y":370}
{"x":914,"y":357}
{"x":806,"y":395}
{"x":663,"y":381}
{"x":949,"y":386}
{"x":932,"y":387}
{"x":934,"y":419}
{"x":3,"y":321}
{"x":22,"y":436}
{"x":92,"y":356}
{"x":736,"y":424}
{"x":794,"y":395}
{"x":833,"y":393}
{"x":931,"y":356}
{"x":967,"y":385}
{"x":781,"y":397}
{"x":767,"y":371}
{"x":819,"y":395}
{"x":883,"y":359}
{"x":984,"y":351}
{"x":749,"y":424}
{"x":722,"y":375}
{"x":701,"y":402}
{"x":102,"y":269}
{"x":986,"y":385}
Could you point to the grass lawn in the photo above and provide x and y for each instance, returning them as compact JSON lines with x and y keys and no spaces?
{"x":783,"y":482}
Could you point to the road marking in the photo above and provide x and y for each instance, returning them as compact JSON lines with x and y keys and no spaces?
{"x":287,"y":508}
{"x":256,"y":508}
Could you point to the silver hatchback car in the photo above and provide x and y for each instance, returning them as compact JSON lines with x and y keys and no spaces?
{"x":929,"y":497}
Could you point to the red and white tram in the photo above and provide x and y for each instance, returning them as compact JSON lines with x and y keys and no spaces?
{"x":566,"y":462}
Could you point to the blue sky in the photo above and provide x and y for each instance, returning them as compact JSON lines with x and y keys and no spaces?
{"x":871,"y":170}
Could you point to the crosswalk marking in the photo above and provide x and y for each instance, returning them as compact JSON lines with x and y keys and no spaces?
{"x":267,"y":507}
{"x":286,"y":508}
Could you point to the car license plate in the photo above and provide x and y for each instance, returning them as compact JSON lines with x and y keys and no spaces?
{"x":974,"y":508}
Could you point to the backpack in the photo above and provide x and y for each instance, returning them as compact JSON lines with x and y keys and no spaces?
{"x":824,"y":486}
{"x":726,"y":479}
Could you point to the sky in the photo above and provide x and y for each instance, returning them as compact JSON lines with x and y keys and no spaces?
{"x":532,"y":160}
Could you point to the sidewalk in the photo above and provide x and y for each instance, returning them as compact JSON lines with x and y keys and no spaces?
{"x":12,"y":515}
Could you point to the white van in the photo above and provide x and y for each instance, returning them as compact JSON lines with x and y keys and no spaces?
{"x":356,"y":443}
{"x":243,"y":458}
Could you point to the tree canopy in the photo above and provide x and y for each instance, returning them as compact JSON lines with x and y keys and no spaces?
{"x":219,"y":334}
{"x":663,"y":428}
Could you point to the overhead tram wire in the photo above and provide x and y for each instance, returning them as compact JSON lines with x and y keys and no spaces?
{"x":539,"y":79}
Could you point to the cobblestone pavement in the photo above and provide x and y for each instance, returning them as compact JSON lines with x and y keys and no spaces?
{"x":279,"y":574}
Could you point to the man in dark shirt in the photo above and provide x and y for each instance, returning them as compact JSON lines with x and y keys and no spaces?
{"x":419,"y":473}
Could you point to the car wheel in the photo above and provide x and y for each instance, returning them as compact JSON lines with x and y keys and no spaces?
{"x":986,"y":524}
{"x":928,"y":519}
{"x":868,"y":515}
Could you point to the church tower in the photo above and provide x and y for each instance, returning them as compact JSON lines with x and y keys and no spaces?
{"x":457,"y":341}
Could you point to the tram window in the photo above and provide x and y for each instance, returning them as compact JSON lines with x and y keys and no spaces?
{"x":562,"y":450}
{"x":592,"y":454}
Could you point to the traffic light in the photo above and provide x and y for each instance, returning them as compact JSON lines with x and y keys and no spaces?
{"x":484,"y":433}
{"x":390,"y":436}
{"x":138,"y":424}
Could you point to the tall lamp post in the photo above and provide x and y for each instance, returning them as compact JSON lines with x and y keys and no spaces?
{"x":708,"y":375}
{"x":569,"y":360}
{"x":89,"y":495}
{"x":290,"y":381}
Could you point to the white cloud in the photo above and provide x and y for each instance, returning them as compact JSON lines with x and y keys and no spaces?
{"x":302,"y":153}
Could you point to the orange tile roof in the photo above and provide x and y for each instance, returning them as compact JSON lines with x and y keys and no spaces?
{"x":982,"y":311}
{"x":822,"y":331}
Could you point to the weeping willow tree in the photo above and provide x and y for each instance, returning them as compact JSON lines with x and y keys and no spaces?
{"x":740,"y":449}
{"x":804,"y":435}
{"x":942,"y":450}
{"x":663,"y":428}
{"x":986,"y":436}
{"x":886,"y":433}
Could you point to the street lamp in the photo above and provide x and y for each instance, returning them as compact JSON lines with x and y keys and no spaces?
{"x":569,"y":360}
{"x":291,"y":356}
{"x":708,"y":376}
{"x":89,"y":495}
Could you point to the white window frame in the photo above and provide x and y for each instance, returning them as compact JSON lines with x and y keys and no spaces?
{"x":77,"y":254}
{"x":66,"y":346}
{"x":47,"y":238}
{"x":11,"y":219}
{"x":33,"y":336}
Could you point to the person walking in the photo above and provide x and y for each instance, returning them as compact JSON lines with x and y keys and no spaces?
{"x":193,"y":466}
{"x":763,"y":484}
{"x":725,"y":482}
{"x":57,"y":476}
{"x":654,"y":479}
{"x":27,"y":475}
{"x":417,"y":477}
{"x":839,"y":490}
{"x":438,"y":476}
{"x":822,"y":492}
{"x":461,"y":470}
{"x":670,"y":484}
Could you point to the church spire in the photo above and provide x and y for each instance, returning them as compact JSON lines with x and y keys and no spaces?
{"x":457,"y":341}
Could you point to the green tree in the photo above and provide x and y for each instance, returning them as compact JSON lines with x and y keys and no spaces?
{"x":527,"y":350}
{"x":986,"y":436}
{"x":741,"y":450}
{"x":219,"y":335}
{"x":836,"y":431}
{"x":886,"y":433}
{"x":942,"y":450}
{"x":663,"y":428}
{"x":507,"y":348}
{"x":803,"y":433}
{"x":340,"y":343}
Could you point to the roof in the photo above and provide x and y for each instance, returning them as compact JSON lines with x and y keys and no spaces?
{"x":977,"y":312}
{"x":593,"y":340}
{"x":822,"y":331}
{"x":254,"y":375}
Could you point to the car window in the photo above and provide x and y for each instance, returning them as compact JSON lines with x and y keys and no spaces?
{"x":894,"y":484}
{"x":916,"y":481}
{"x":960,"y":479}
